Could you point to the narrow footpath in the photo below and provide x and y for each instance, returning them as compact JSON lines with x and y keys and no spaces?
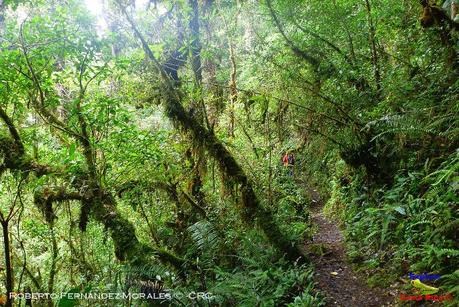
{"x":333,"y":275}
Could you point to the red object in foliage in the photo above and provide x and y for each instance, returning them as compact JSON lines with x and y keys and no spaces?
{"x":285,"y":159}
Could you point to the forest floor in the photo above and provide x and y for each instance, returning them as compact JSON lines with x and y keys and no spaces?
{"x":335,"y":278}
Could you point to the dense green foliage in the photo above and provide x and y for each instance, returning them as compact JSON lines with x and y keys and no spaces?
{"x":140,"y":146}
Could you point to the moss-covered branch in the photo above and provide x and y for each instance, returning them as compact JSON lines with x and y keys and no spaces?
{"x":127,"y":246}
{"x":252,"y":211}
{"x":171,"y":189}
{"x":15,"y":159}
{"x":12,"y":129}
{"x":103,"y":209}
{"x":44,"y":200}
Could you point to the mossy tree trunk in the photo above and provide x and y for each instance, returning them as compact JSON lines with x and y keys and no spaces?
{"x":252,"y":211}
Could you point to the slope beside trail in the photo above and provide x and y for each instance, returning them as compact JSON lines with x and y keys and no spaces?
{"x":334,"y":277}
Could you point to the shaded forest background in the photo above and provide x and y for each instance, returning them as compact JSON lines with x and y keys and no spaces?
{"x":141,"y":148}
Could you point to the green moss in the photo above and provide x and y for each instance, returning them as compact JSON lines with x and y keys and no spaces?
{"x":251,"y":210}
{"x":127,"y":246}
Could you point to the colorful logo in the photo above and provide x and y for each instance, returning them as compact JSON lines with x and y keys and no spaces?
{"x":423,"y":291}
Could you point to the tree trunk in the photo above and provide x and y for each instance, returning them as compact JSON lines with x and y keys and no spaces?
{"x":196,"y":42}
{"x":374,"y":53}
{"x":8,"y":264}
{"x":216,"y":104}
{"x":197,"y":152}
{"x":233,"y":89}
{"x":52,"y":271}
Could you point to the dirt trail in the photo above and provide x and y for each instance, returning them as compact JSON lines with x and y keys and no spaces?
{"x":333,"y":275}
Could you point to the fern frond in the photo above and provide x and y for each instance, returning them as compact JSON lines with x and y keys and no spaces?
{"x":205,"y":236}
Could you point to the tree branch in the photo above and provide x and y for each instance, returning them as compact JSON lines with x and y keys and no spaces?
{"x":12,"y":129}
{"x":303,"y":54}
{"x":326,"y":41}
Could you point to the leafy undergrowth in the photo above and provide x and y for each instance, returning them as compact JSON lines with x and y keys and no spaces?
{"x":411,"y":226}
{"x":260,"y":281}
{"x":258,"y":276}
{"x":254,"y":274}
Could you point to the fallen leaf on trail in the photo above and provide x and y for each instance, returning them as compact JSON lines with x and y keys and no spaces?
{"x":334,"y":273}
